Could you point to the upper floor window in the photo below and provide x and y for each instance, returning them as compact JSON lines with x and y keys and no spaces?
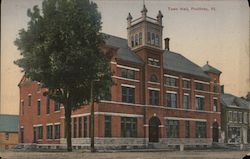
{"x":128,"y":94}
{"x":170,"y":81}
{"x":245,"y":118}
{"x":215,"y":88}
{"x":157,"y":43}
{"x":240,"y":118}
{"x":132,"y":41}
{"x":153,"y":78}
{"x":29,"y":100}
{"x":199,"y":86}
{"x":152,"y":38}
{"x":153,"y":62}
{"x":186,"y":84}
{"x":38,"y":86}
{"x":22,"y":107}
{"x":153,"y":97}
{"x":215,"y":107}
{"x":199,"y":103}
{"x":235,"y":116}
{"x":126,"y":73}
{"x":230,"y":116}
{"x":186,"y":101}
{"x":171,"y":100}
{"x":38,"y":107}
{"x":140,"y":38}
{"x":47,"y":104}
{"x":56,"y":106}
{"x":136,"y":39}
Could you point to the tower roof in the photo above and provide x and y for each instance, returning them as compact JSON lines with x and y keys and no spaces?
{"x":209,"y":68}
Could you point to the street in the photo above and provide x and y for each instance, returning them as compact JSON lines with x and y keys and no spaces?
{"x":126,"y":155}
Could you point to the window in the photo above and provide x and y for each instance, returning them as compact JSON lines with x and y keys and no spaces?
{"x":157,"y":40}
{"x":38,"y":86}
{"x":57,"y":131}
{"x":153,"y":78}
{"x":108,"y":128}
{"x":187,"y":129}
{"x":80,"y":127}
{"x":245,"y":117}
{"x":40,"y":132}
{"x":128,"y":73}
{"x":200,"y":129}
{"x":22,"y":135}
{"x":149,"y":38}
{"x":85,"y":122}
{"x":230,"y":116}
{"x":172,"y":100}
{"x":199,"y":103}
{"x":7,"y":136}
{"x":128,"y":127}
{"x":172,"y":128}
{"x":106,"y":94}
{"x":132,"y":41}
{"x":215,"y":86}
{"x":240,"y":118}
{"x":29,"y":100}
{"x":22,"y":107}
{"x":128,"y":94}
{"x":140,"y":38}
{"x":171,"y":81}
{"x":152,"y":38}
{"x":186,"y":84}
{"x":199,"y":86}
{"x":47,"y":104}
{"x":215,"y":107}
{"x":153,"y":97}
{"x":38,"y":107}
{"x":49,"y":132}
{"x":235,"y":117}
{"x":136,"y":40}
{"x":74,"y":128}
{"x":56,"y":106}
{"x":153,"y":62}
{"x":186,"y":101}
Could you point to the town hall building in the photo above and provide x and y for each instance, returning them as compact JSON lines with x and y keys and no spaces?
{"x":159,"y":97}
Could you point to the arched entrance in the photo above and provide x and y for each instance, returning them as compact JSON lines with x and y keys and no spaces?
{"x":154,"y":123}
{"x":215,"y":132}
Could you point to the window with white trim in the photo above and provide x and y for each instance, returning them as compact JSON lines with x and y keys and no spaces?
{"x":201,"y":129}
{"x":200,"y":103}
{"x":171,"y":100}
{"x":186,"y":101}
{"x":215,"y":106}
{"x":170,"y":81}
{"x":49,"y":131}
{"x":128,"y":94}
{"x":126,"y":73}
{"x":153,"y":97}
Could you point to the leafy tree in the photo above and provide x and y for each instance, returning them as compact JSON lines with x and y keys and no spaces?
{"x":61,"y":48}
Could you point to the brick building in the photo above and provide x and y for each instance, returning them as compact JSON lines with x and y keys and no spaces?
{"x":159,"y":97}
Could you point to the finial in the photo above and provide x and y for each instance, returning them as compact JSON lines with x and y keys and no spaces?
{"x":207,"y":62}
{"x":159,"y":14}
{"x":144,"y":9}
{"x":129,"y":17}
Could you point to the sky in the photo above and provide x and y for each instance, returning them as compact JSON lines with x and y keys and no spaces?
{"x":202,"y":30}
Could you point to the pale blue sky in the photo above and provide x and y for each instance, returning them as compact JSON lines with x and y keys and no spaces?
{"x":219,"y":35}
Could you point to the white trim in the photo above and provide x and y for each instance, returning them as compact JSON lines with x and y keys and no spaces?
{"x":39,"y":99}
{"x":21,"y":126}
{"x":196,"y":90}
{"x":150,"y":59}
{"x":48,"y":124}
{"x":107,"y":113}
{"x":189,"y":119}
{"x":173,"y":92}
{"x":215,"y":97}
{"x":160,"y":107}
{"x":157,"y":83}
{"x":129,"y":68}
{"x":21,"y":100}
{"x":161,"y":126}
{"x":154,"y":89}
{"x":112,"y":62}
{"x":176,"y":87}
{"x":197,"y":81}
{"x":128,"y":85}
{"x":145,"y":125}
{"x":58,"y":123}
{"x":188,"y":89}
{"x":122,"y":78}
{"x":187,"y":94}
{"x":199,"y":96}
{"x":186,"y":79}
{"x":154,"y":66}
{"x":176,"y":77}
{"x":57,"y":111}
{"x":37,"y":125}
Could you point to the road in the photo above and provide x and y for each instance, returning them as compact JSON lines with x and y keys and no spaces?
{"x":126,"y":155}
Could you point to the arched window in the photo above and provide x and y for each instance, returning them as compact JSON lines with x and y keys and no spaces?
{"x":132,"y":41}
{"x":140,"y":38}
{"x":153,"y":78}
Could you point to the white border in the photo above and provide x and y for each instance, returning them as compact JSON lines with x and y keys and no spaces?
{"x":154,"y":89}
{"x":189,"y":119}
{"x":128,"y":85}
{"x":129,"y":68}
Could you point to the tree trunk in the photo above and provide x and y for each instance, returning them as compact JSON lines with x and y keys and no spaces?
{"x":68,"y":110}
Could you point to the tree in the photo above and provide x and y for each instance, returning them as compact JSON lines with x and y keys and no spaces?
{"x":61,"y":48}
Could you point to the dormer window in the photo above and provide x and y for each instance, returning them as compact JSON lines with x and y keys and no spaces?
{"x":136,"y":39}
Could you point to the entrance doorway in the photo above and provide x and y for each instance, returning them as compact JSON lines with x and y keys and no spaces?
{"x":154,"y":123}
{"x":215,"y":132}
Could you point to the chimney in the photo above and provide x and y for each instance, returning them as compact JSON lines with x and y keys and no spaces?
{"x":222,"y":89}
{"x":166,"y":43}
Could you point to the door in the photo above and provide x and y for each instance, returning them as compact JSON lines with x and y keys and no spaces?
{"x":154,"y":123}
{"x":215,"y":132}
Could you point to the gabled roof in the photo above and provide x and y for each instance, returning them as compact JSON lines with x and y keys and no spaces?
{"x":230,"y":100}
{"x":9,"y":123}
{"x":208,"y":68}
{"x":177,"y":62}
